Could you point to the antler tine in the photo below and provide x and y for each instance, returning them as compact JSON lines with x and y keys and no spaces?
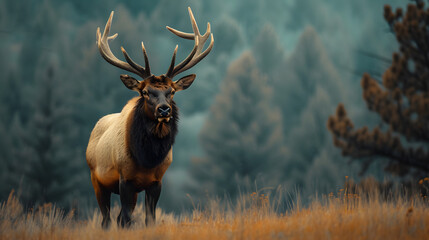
{"x":181,"y":34}
{"x":145,"y":72}
{"x":131,"y":62}
{"x":146,"y":60}
{"x":193,"y":22}
{"x":173,"y":59}
{"x":172,"y":68}
{"x":106,"y":53}
{"x":197,"y":53}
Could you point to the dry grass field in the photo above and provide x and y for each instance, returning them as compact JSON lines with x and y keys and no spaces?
{"x":339,"y":215}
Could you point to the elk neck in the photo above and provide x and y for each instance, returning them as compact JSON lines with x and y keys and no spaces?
{"x":148,"y":141}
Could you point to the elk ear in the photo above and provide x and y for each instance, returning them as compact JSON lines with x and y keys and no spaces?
{"x":184,"y":82}
{"x":130,"y":82}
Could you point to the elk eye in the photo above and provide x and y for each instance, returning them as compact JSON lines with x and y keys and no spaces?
{"x":170,"y":94}
{"x":144,"y":92}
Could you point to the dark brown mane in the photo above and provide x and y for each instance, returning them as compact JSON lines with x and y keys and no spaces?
{"x":148,"y":140}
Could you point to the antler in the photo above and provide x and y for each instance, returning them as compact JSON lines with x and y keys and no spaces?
{"x":106,"y":53}
{"x":196,"y":54}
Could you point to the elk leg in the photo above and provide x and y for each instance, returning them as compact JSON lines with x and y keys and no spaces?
{"x":128,"y":196}
{"x":151,"y":199}
{"x":103,"y":199}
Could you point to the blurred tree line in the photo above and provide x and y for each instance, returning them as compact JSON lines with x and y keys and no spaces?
{"x":255,"y":116}
{"x":267,"y":107}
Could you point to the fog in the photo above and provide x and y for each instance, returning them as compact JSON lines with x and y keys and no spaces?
{"x":254,"y":117}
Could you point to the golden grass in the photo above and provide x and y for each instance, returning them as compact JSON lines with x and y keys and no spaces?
{"x":336,"y":216}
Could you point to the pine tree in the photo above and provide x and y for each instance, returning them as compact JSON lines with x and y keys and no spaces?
{"x":242,"y":137}
{"x":313,"y":164}
{"x":401,"y":99}
{"x":308,"y":68}
{"x":269,"y":52}
{"x":46,"y":160}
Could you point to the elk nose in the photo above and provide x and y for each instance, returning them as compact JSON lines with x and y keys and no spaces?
{"x":164,"y":110}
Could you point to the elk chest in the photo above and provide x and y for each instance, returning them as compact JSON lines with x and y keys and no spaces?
{"x":144,"y":177}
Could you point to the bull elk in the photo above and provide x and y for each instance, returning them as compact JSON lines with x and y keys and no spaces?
{"x":129,"y":152}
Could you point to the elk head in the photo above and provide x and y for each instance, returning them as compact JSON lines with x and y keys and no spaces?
{"x":157,"y":91}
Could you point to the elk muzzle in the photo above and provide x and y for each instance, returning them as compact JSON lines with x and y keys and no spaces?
{"x":163,"y":112}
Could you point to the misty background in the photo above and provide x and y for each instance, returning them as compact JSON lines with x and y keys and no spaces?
{"x":254,"y":118}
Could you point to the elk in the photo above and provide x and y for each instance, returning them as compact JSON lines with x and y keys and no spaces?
{"x":129,"y":152}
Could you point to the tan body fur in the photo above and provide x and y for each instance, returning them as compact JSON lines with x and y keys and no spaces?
{"x":108,"y":157}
